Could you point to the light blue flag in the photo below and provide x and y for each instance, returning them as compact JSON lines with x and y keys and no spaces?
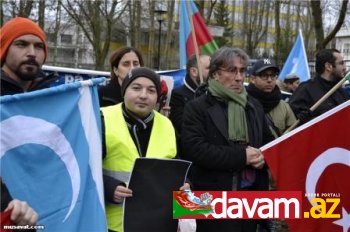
{"x":51,"y":155}
{"x":296,"y":61}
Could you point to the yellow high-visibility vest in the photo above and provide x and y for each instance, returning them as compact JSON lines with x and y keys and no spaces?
{"x":121,"y":152}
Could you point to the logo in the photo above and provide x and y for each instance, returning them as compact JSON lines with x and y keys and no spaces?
{"x":185,"y":203}
{"x":267,"y":61}
{"x":251,"y":205}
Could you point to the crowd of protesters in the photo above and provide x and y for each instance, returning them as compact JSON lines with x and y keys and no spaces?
{"x":215,"y":121}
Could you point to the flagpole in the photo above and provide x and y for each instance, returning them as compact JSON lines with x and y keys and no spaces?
{"x":322,"y":99}
{"x":189,"y":12}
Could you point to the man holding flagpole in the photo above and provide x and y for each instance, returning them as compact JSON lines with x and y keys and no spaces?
{"x":23,"y":52}
{"x":330,"y":69}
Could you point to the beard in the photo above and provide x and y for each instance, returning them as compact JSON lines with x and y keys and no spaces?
{"x":28,"y":70}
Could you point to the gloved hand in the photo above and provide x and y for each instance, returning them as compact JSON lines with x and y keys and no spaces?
{"x":304,"y":116}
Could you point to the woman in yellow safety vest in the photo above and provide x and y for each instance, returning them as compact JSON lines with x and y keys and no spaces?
{"x":133,"y":129}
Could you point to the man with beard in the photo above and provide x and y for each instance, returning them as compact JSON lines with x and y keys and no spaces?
{"x":183,"y":94}
{"x":263,"y":87}
{"x":23,"y":52}
{"x":330,"y":69}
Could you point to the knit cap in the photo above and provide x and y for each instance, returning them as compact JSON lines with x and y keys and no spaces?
{"x":18,"y":27}
{"x":141,"y":72}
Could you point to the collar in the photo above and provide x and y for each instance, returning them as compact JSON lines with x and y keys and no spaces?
{"x":190,"y":84}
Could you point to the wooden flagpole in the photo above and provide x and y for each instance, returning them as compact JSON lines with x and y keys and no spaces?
{"x":322,"y":99}
{"x":189,"y":13}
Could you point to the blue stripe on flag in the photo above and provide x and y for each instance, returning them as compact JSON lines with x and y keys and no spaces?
{"x":51,"y":155}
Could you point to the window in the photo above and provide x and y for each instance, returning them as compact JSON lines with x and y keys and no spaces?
{"x":67,"y":39}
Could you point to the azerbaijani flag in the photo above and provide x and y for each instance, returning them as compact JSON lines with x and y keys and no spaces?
{"x":205,"y":41}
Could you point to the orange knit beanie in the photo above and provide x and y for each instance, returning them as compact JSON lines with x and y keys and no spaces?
{"x":15,"y":28}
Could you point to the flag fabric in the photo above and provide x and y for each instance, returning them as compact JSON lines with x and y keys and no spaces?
{"x":315,"y":159}
{"x":296,"y":61}
{"x":51,"y":155}
{"x":205,"y":41}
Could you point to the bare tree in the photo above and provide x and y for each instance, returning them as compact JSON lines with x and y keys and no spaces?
{"x":321,"y":40}
{"x":57,"y":29}
{"x":255,"y":27}
{"x":25,"y":8}
{"x":41,"y":17}
{"x":278,"y":31}
{"x":1,"y":13}
{"x":137,"y":18}
{"x":169,"y":34}
{"x":95,"y":18}
{"x":150,"y":50}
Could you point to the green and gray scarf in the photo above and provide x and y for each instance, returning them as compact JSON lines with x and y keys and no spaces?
{"x":237,"y":122}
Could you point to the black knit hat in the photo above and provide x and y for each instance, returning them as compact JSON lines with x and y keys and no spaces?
{"x":141,"y":72}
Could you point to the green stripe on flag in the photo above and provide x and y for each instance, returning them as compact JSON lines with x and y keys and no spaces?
{"x":209,"y":48}
{"x":179,"y":211}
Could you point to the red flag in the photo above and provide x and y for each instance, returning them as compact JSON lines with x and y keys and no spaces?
{"x":315,"y":159}
{"x":6,"y":221}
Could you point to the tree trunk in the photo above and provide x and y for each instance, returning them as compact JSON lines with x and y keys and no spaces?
{"x":169,"y":34}
{"x":56,"y":30}
{"x":41,"y":12}
{"x":150,"y":50}
{"x":318,"y":22}
{"x":278,"y":31}
{"x":138,"y":24}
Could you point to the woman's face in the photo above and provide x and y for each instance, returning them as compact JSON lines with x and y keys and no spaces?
{"x":141,"y":97}
{"x":126,"y":63}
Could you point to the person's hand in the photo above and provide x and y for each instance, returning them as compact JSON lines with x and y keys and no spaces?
{"x":254,"y":157}
{"x":21,"y":213}
{"x":120,"y":193}
{"x":185,"y":186}
{"x":304,"y":116}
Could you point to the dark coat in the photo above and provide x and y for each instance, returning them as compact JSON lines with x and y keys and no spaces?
{"x":309,"y":92}
{"x":110,"y":94}
{"x":10,"y":87}
{"x":217,"y":162}
{"x":179,"y":97}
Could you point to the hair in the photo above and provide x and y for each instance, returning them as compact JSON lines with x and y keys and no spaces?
{"x":224,"y":56}
{"x":291,"y":80}
{"x":118,"y":55}
{"x":325,"y":56}
{"x":192,"y":62}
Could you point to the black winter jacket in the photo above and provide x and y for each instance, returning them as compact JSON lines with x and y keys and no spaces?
{"x":110,"y":94}
{"x":179,"y":98}
{"x":216,"y":160}
{"x":309,"y":92}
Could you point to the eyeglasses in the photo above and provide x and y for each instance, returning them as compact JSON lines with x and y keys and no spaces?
{"x":266,"y":76}
{"x":234,"y":70}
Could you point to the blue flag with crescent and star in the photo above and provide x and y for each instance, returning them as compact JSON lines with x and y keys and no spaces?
{"x":50,"y":154}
